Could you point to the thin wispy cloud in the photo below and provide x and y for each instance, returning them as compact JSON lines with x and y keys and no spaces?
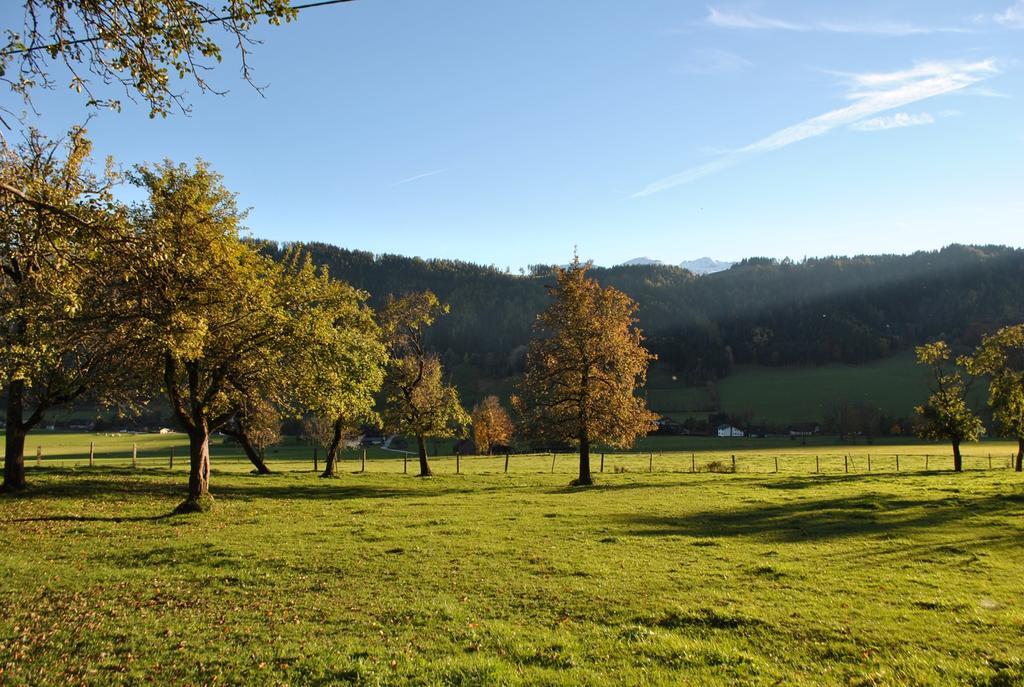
{"x":743,"y":19}
{"x":872,"y":94}
{"x":714,"y":61}
{"x":900,"y":120}
{"x":1013,"y":17}
{"x":985,"y":92}
{"x":424,"y":175}
{"x":748,"y":20}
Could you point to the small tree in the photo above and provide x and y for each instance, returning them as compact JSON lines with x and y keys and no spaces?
{"x":946,"y":415}
{"x":334,"y":355}
{"x":583,"y":369}
{"x":417,"y":402}
{"x":1001,"y":357}
{"x":255,"y":426}
{"x":318,"y":430}
{"x":492,"y":426}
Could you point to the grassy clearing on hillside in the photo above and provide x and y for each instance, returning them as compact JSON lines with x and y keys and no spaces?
{"x":376,"y":578}
{"x":782,"y":395}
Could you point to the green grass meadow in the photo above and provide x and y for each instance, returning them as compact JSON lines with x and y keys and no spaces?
{"x":786,"y":395}
{"x":649,"y":578}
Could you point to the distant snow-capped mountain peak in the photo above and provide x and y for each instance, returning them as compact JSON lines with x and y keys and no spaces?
{"x":643,"y":261}
{"x":703,"y":265}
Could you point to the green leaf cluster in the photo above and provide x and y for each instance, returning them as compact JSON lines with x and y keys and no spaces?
{"x":147,"y":46}
{"x":946,"y":415}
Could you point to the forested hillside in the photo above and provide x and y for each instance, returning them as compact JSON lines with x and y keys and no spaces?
{"x":761,"y":311}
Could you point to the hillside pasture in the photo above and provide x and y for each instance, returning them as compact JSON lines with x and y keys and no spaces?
{"x":787,"y":394}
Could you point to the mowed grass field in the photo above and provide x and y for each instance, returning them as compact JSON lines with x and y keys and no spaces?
{"x":664,"y":577}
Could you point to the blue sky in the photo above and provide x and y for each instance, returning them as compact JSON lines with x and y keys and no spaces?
{"x":507,"y":133}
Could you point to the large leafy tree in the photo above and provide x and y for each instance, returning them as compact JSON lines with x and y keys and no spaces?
{"x":492,"y":427}
{"x":583,"y":368}
{"x":62,"y":333}
{"x":417,"y":401}
{"x":212,"y":311}
{"x":1001,"y":357}
{"x":334,"y":355}
{"x":947,"y":414}
{"x":150,"y":48}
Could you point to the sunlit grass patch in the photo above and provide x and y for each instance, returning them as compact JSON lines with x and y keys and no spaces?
{"x":378,"y":578}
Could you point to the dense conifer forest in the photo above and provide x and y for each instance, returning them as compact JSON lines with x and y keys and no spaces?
{"x":761,"y":311}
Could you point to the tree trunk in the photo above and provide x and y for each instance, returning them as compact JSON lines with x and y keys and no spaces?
{"x":256,"y":458}
{"x":14,"y":455}
{"x":199,"y":498}
{"x":1020,"y":454}
{"x":584,"y":477}
{"x":958,"y":461}
{"x":424,"y":465}
{"x":332,"y":451}
{"x":14,"y":459}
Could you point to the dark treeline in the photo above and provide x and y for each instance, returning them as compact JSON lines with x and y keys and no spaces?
{"x":770,"y":312}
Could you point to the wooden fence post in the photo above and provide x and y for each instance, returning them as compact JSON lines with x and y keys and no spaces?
{"x":817,"y":465}
{"x":364,"y":461}
{"x":458,"y":466}
{"x":405,"y":463}
{"x":39,"y":456}
{"x":776,"y":463}
{"x":734,"y":462}
{"x":650,"y":462}
{"x":170,"y":460}
{"x":90,"y":453}
{"x":897,"y":462}
{"x":990,"y":461}
{"x":869,"y":462}
{"x":553,"y":454}
{"x":693,"y":462}
{"x":602,"y":461}
{"x":926,"y":462}
{"x":846,"y":463}
{"x":316,"y":460}
{"x":135,"y":455}
{"x":506,"y":463}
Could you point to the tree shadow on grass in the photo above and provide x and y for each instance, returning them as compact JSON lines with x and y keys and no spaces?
{"x":185,"y":555}
{"x":834,"y":518}
{"x":106,"y":483}
{"x":796,"y":482}
{"x":96,"y":518}
{"x":600,"y":486}
{"x":102,"y":482}
{"x":741,"y":479}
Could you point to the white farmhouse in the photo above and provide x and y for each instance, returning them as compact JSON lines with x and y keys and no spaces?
{"x":729,"y":431}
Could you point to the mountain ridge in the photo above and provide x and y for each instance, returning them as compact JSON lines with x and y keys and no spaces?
{"x":703,"y":265}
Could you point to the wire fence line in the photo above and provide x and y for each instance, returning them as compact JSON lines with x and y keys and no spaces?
{"x":401,"y":462}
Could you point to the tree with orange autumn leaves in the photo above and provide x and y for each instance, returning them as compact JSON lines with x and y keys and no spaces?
{"x":583,"y":369}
